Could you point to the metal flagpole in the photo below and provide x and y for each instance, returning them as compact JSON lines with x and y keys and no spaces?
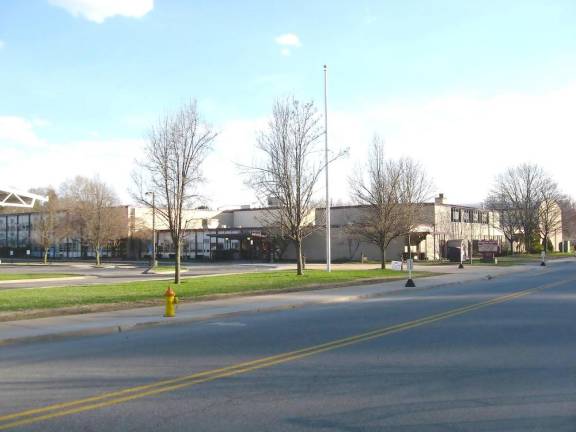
{"x":328,"y":250}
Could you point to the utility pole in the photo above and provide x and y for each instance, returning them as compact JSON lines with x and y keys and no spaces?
{"x":328,"y":248}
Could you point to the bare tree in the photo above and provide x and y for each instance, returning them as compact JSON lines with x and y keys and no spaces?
{"x":416,"y":190}
{"x":48,"y":230}
{"x":171,"y":170}
{"x":92,"y":205}
{"x":550,"y":214}
{"x":527,"y":195}
{"x":507,"y":217}
{"x":568,"y":206}
{"x":392,"y":193}
{"x":378,"y":188}
{"x":519,"y":188}
{"x":289,"y":169}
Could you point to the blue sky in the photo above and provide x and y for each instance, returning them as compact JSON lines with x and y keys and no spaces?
{"x":477,"y":85}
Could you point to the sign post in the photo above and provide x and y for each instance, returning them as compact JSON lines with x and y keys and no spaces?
{"x":410,"y":282}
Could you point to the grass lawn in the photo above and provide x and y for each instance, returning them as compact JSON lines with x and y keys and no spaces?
{"x":23,"y":276}
{"x":190,"y":288}
{"x":509,"y":260}
{"x":477,"y":262}
{"x":503,"y":261}
{"x":550,"y":255}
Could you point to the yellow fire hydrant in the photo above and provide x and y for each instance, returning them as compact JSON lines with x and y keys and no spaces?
{"x":171,"y":302}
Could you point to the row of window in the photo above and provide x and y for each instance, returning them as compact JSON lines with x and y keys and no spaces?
{"x":469,"y":216}
{"x":14,"y":223}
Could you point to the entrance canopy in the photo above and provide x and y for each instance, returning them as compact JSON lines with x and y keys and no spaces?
{"x":13,"y":198}
{"x":235,"y":234}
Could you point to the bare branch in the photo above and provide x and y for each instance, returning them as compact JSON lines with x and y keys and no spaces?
{"x":392,"y":193}
{"x":172,"y":169}
{"x":526,"y":200}
{"x":288,"y":172}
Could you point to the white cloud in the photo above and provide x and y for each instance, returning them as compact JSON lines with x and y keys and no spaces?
{"x":234,"y":147}
{"x":40,"y":122}
{"x":99,"y":10}
{"x":111,"y":159}
{"x":465,"y":140}
{"x":288,"y":39}
{"x":287,"y":42}
{"x":18,"y":131}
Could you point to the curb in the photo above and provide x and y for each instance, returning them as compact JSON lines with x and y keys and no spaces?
{"x":111,"y":329}
{"x":23,"y":281}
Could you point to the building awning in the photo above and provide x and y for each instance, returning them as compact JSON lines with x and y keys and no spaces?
{"x":235,"y":234}
{"x":13,"y":198}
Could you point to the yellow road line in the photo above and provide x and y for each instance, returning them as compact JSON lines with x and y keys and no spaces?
{"x":128,"y":394}
{"x":200,"y":374}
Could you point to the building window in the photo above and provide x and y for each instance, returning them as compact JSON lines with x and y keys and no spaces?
{"x":466,"y":216}
{"x":455,"y":214}
{"x":476,"y":216}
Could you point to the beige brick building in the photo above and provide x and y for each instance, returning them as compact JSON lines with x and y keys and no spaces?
{"x":242,"y":233}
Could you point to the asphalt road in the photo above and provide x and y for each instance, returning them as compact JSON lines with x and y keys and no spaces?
{"x":496,"y":355}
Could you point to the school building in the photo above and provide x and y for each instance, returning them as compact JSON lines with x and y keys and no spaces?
{"x":242,"y":234}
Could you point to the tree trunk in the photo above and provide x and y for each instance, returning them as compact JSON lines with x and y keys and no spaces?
{"x":46,"y":255}
{"x":299,"y":258}
{"x":546,"y":244}
{"x":383,"y":255}
{"x":177,"y":264}
{"x":98,"y":255}
{"x":512,"y":247}
{"x":529,"y":243}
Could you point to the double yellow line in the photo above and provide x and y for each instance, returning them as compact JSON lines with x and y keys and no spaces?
{"x":117,"y":397}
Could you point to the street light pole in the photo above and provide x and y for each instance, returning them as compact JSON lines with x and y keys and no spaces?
{"x":153,"y":262}
{"x":328,"y":248}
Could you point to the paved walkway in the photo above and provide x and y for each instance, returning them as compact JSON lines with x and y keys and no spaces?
{"x":124,"y":320}
{"x":88,"y":275}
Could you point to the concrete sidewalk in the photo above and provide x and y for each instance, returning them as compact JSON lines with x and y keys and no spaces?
{"x":124,"y":320}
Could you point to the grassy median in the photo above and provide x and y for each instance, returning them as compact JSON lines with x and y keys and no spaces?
{"x":131,"y":294}
{"x":504,"y":261}
{"x":25,"y":276}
